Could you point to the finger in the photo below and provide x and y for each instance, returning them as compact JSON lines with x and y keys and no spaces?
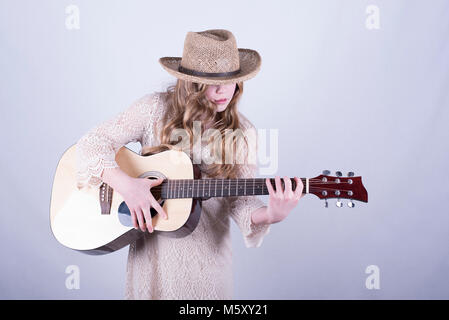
{"x":147,"y":215}
{"x":277,"y":180}
{"x":140,"y":219}
{"x":269,"y":186}
{"x":134,"y":219}
{"x":156,"y":182}
{"x":159,"y":209}
{"x":299,"y":188}
{"x":288,"y":187}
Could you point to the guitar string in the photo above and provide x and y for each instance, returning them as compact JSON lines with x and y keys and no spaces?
{"x":173,"y":187}
{"x":234,"y":181}
{"x":235,"y":184}
{"x":226,"y":184}
{"x":176,"y":184}
{"x":264,"y":189}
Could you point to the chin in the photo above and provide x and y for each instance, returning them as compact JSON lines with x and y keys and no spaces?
{"x":221,"y":109}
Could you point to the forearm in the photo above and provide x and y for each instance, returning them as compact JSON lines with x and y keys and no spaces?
{"x":115,"y":177}
{"x":260,"y":216}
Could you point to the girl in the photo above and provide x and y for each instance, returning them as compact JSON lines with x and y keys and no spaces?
{"x":209,"y":84}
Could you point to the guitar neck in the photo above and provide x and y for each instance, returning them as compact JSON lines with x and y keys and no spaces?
{"x":206,"y":188}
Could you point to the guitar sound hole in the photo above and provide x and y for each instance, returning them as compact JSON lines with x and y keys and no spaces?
{"x":156,"y":190}
{"x":124,"y":215}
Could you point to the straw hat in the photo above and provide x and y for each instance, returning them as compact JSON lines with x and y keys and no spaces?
{"x":212,"y":57}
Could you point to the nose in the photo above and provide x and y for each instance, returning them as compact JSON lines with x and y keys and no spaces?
{"x":220,"y":88}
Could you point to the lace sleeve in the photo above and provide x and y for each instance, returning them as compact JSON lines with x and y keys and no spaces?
{"x":242,"y":207}
{"x":96,"y":149}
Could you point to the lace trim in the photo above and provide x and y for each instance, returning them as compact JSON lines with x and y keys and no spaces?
{"x":92,"y":175}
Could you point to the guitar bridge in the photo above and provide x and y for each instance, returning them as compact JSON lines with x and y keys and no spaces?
{"x":105,"y":198}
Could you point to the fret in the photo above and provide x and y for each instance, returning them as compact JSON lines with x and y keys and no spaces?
{"x":215,"y":193}
{"x":254,"y":185}
{"x":182,"y":189}
{"x":198,"y":189}
{"x":229,"y":186}
{"x":168,"y":187}
{"x":209,"y":186}
{"x":203,"y":187}
{"x":245,"y":187}
{"x":237,"y":187}
{"x":188,"y":189}
{"x":174,"y":189}
{"x":222,"y":182}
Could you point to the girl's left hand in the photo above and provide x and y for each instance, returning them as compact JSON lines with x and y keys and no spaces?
{"x":281,"y":202}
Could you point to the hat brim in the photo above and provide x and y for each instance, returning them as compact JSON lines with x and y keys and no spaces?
{"x":250,"y":62}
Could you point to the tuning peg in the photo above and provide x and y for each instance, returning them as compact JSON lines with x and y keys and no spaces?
{"x":350,"y":174}
{"x":351,"y":204}
{"x":325,"y":203}
{"x":339,"y":203}
{"x":326,"y":172}
{"x":338,"y":174}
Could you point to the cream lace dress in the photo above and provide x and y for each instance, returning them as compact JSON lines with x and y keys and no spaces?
{"x":198,"y":266}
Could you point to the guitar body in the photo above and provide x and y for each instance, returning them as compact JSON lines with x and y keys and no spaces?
{"x":76,"y":216}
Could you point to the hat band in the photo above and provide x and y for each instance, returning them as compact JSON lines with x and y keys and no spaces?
{"x":207,"y":74}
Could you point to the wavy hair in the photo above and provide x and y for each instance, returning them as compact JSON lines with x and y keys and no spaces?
{"x":186,"y":102}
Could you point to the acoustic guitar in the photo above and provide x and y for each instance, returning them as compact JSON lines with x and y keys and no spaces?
{"x":98,"y":221}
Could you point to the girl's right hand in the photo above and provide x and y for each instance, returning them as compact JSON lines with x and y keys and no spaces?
{"x":138,"y":198}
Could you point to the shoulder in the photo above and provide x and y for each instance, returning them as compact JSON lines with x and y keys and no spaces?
{"x":148,"y":99}
{"x":245,"y":122}
{"x":250,"y":133}
{"x":151,"y":103}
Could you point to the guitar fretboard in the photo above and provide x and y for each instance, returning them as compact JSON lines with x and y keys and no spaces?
{"x":206,"y":188}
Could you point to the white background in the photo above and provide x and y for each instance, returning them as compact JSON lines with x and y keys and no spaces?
{"x":343,"y":97}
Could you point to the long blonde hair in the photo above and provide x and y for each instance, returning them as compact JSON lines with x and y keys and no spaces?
{"x":187,"y":102}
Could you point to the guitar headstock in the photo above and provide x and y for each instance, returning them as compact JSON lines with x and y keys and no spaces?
{"x":326,"y":187}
